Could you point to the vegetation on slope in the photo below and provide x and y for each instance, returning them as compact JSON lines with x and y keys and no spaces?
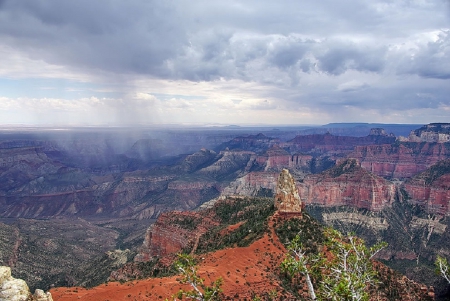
{"x":250,"y":213}
{"x":434,"y":172}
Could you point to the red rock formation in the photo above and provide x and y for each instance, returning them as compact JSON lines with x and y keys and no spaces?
{"x":347,"y":184}
{"x":299,"y":161}
{"x":277,"y":158}
{"x":431,"y":188}
{"x":172,"y":232}
{"x":274,"y":158}
{"x":399,"y":161}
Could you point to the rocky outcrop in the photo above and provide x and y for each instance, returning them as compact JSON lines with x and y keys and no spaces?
{"x":287,"y":199}
{"x":356,"y":218}
{"x":380,"y":132}
{"x":347,"y":184}
{"x":431,"y":189}
{"x":173,"y":232}
{"x":198,"y":160}
{"x":433,"y":132}
{"x":12,"y":289}
{"x":251,"y":184}
{"x":229,"y":162}
{"x":276,"y":158}
{"x":402,"y":160}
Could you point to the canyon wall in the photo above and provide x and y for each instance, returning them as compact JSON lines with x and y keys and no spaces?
{"x":401,"y":160}
{"x":347,"y":184}
{"x":431,"y":188}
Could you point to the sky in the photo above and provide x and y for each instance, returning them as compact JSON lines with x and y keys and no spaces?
{"x":150,"y":62}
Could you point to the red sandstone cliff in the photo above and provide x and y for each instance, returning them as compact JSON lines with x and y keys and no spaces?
{"x":399,"y":161}
{"x":431,"y":188}
{"x":347,"y":184}
{"x":172,"y":232}
{"x":277,"y":158}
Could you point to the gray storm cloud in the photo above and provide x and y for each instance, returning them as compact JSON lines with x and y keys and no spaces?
{"x":307,"y":54}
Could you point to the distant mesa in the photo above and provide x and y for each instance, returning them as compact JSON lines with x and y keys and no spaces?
{"x":380,"y":132}
{"x":287,"y":199}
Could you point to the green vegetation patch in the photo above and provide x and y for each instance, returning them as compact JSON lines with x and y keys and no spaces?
{"x":309,"y":230}
{"x":187,"y":222}
{"x":154,"y":268}
{"x":251,"y":212}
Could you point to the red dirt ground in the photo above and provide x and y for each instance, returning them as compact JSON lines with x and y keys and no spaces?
{"x":244,"y":271}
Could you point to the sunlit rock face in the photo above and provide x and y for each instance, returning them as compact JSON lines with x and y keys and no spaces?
{"x":12,"y":289}
{"x":287,"y":198}
{"x":347,"y":184}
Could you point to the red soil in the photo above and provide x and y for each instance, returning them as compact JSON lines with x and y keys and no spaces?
{"x":231,"y":228}
{"x":243,"y":270}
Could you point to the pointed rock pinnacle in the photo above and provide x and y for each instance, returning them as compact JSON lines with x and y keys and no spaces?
{"x":287,"y":198}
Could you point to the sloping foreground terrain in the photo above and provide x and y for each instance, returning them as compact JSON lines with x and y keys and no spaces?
{"x":245,"y":248}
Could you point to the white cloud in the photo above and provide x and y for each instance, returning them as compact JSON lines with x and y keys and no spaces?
{"x":353,"y":85}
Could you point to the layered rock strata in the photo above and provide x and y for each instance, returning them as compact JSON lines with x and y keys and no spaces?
{"x":431,"y":189}
{"x":433,"y":132}
{"x":276,"y":158}
{"x":251,"y":183}
{"x":347,"y":184}
{"x":172,"y":232}
{"x":402,"y":160}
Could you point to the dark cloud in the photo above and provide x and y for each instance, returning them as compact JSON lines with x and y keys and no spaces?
{"x":339,"y":57}
{"x":288,"y":52}
{"x":134,"y":37}
{"x":203,"y":40}
{"x":320,"y":54}
{"x":433,"y":59}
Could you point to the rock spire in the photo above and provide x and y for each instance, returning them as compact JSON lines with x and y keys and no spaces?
{"x":287,"y":199}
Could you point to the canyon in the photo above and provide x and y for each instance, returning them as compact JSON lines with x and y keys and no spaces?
{"x":120,"y":185}
{"x":248,"y":269}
